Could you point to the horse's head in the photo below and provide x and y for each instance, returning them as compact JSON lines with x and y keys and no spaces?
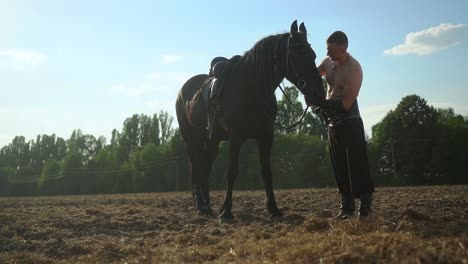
{"x":301,"y":69}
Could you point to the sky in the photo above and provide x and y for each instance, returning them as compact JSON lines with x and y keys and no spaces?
{"x":89,"y":65}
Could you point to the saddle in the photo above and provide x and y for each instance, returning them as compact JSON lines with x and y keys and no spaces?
{"x":197,"y":107}
{"x":204,"y":108}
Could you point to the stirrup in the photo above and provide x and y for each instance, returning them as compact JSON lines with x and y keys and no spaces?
{"x":211,"y":123}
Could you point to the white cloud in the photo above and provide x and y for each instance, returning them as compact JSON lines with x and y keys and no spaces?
{"x":169,"y":59}
{"x":431,"y":40}
{"x":21,"y":59}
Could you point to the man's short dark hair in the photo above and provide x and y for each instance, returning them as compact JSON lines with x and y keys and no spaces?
{"x":338,"y":37}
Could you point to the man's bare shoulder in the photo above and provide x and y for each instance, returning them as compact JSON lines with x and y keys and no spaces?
{"x":354,"y":63}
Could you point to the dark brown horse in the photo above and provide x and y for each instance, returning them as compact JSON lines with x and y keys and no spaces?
{"x":248,"y":110}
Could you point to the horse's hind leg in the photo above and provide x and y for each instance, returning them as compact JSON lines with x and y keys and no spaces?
{"x":226,"y":215}
{"x":198,"y":162}
{"x":210,"y":154}
{"x":264,"y":145}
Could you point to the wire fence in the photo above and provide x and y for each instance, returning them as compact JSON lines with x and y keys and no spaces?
{"x":96,"y":172}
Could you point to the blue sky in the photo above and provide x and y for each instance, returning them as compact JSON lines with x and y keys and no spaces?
{"x":90,"y":64}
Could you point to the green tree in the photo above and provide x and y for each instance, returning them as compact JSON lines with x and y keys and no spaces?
{"x":51,"y":180}
{"x":23,"y":181}
{"x":449,"y":161}
{"x":151,"y":166}
{"x":114,"y":139}
{"x":17,"y":153}
{"x":154,"y":132}
{"x":149,"y":130}
{"x":5,"y":174}
{"x":123,"y":181}
{"x":176,"y":153}
{"x":60,"y":149}
{"x":405,"y":139}
{"x":289,"y":111}
{"x":104,"y":169}
{"x":129,"y":139}
{"x":86,"y":145}
{"x":145,"y":129}
{"x":73,"y":170}
{"x":313,"y":125}
{"x":300,"y":161}
{"x":165,"y":121}
{"x":250,"y":176}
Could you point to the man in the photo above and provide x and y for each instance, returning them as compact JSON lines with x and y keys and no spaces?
{"x":346,"y":139}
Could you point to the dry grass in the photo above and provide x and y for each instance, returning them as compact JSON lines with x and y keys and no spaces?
{"x":410,"y":225}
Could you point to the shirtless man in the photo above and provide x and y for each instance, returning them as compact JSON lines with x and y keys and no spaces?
{"x":346,"y":139}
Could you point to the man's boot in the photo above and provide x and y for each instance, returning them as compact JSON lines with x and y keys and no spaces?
{"x":347,"y":206}
{"x":365,"y":205}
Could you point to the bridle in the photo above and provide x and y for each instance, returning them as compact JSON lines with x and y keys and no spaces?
{"x":301,"y":82}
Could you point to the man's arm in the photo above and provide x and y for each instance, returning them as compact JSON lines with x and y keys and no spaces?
{"x":321,"y":68}
{"x":351,"y":91}
{"x":353,"y":85}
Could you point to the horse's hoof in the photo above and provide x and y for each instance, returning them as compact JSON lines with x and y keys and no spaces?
{"x":276,"y":214}
{"x":226,"y":218}
{"x":205,"y":212}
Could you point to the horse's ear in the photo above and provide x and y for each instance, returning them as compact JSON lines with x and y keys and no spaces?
{"x":302,"y":28}
{"x":294,"y":27}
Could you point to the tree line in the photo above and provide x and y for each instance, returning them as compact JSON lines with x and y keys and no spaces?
{"x":414,"y":144}
{"x":417,"y":144}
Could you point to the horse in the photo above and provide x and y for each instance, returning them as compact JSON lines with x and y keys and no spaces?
{"x":248,"y":111}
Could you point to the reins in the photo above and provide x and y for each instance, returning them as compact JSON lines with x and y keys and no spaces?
{"x":290,"y":102}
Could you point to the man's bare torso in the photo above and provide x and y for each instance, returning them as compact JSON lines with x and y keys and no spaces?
{"x":340,"y":76}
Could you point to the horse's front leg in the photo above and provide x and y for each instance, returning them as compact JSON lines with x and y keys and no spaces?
{"x":226,"y":215}
{"x":264,"y":145}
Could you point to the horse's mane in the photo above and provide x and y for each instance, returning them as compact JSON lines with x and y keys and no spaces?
{"x":257,"y":60}
{"x":263,"y":50}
